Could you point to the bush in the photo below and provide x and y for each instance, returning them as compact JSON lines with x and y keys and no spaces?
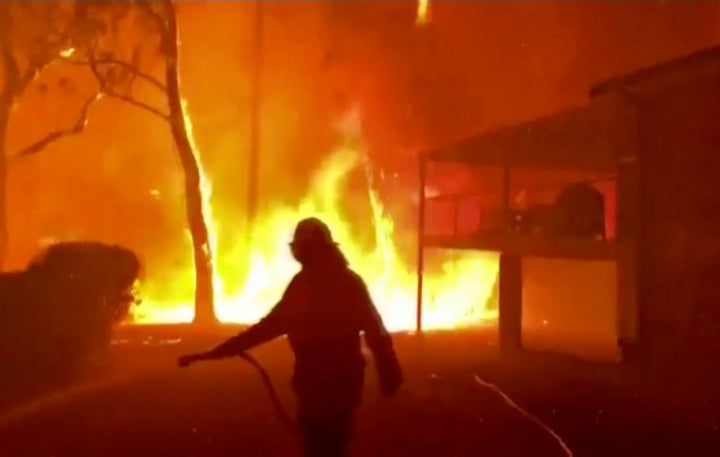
{"x":62,"y":308}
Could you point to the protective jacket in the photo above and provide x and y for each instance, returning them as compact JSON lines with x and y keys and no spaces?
{"x":323,"y":312}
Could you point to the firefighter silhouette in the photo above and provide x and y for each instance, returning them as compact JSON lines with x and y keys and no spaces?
{"x":323,"y":311}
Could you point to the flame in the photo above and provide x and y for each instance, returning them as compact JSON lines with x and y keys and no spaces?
{"x":423,"y":12}
{"x":67,"y":53}
{"x":206,"y":193}
{"x":250,"y":278}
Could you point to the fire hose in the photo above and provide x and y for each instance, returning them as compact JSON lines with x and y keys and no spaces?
{"x":274,"y":398}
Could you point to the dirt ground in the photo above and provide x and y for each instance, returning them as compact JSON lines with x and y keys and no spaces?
{"x":142,"y":405}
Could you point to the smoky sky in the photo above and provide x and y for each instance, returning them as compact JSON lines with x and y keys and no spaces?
{"x":478,"y":65}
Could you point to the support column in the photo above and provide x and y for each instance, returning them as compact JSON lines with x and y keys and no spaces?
{"x":510,"y":303}
{"x":421,"y":241}
{"x":626,"y":231}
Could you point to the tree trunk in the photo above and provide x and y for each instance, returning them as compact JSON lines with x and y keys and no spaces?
{"x":202,"y":254}
{"x":6,"y":100}
{"x":7,"y":97}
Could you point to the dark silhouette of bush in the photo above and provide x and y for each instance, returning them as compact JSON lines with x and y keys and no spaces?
{"x":62,"y":309}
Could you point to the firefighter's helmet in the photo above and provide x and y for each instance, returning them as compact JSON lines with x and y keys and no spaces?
{"x":312,"y":231}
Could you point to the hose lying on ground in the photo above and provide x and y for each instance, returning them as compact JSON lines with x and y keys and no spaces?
{"x":510,"y":403}
{"x":277,"y":404}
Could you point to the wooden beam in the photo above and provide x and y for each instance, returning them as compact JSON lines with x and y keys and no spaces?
{"x":529,"y":245}
{"x":510,"y":303}
{"x":422,"y":171}
{"x":576,"y":139}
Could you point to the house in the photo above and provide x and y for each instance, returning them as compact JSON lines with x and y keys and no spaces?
{"x":653,"y":139}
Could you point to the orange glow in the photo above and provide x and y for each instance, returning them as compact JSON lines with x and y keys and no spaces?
{"x":121,"y":182}
{"x":249,"y":281}
{"x":67,"y":53}
{"x":423,"y":12}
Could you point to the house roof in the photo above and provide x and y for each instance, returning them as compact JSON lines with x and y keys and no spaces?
{"x":579,"y":138}
{"x":591,"y":137}
{"x":706,"y":61}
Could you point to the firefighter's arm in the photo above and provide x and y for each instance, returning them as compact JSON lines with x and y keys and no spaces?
{"x":273,"y":325}
{"x":380,"y":342}
{"x":268,"y":328}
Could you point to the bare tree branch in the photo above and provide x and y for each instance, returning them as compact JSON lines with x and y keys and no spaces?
{"x":93,"y":62}
{"x":10,"y":67}
{"x":33,"y":69}
{"x":154,"y":81}
{"x":138,"y":104}
{"x":159,"y":20}
{"x":81,"y":122}
{"x":26,"y":79}
{"x":78,"y":127}
{"x":95,"y":71}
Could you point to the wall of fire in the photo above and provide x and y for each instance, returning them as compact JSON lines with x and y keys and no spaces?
{"x":119,"y":180}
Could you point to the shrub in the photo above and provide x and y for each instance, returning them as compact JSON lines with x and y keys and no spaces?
{"x":62,"y":308}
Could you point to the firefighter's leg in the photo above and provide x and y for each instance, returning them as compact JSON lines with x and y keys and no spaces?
{"x":325,"y":433}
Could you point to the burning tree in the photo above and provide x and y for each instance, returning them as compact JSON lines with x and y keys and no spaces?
{"x":116,"y":65}
{"x":34,"y":35}
{"x":95,"y":35}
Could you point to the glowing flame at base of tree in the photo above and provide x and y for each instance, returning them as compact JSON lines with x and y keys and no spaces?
{"x":249,"y":278}
{"x":206,"y":193}
{"x":423,"y":12}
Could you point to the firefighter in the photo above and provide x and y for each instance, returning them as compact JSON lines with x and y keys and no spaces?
{"x":323,"y":311}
